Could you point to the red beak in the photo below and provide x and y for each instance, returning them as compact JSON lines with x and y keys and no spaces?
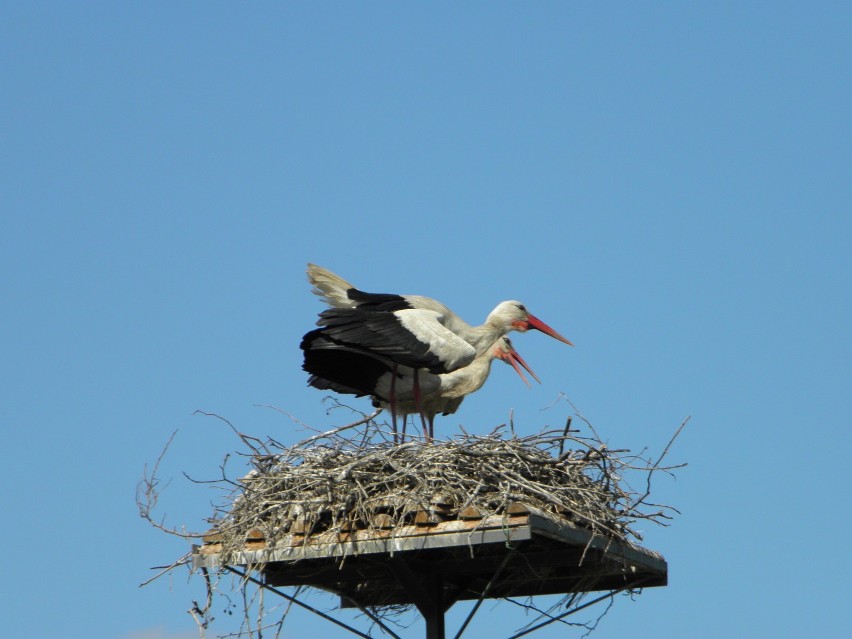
{"x":534,"y":322}
{"x":511,"y":356}
{"x":515,"y":359}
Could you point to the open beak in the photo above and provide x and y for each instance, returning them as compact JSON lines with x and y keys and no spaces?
{"x":534,"y":322}
{"x":514,"y":359}
{"x":517,"y":359}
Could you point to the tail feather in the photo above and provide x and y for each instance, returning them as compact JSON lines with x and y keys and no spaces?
{"x":330,"y":287}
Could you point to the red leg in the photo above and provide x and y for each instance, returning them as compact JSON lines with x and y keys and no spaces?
{"x":418,"y":404}
{"x":392,"y":399}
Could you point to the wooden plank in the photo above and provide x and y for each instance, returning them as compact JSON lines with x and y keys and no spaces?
{"x":620,"y":560}
{"x":382,"y":521}
{"x":517,"y":509}
{"x":365,"y":542}
{"x":470,"y":513}
{"x":427,"y":518}
{"x":443,"y":500}
{"x":350,"y":524}
{"x":212,"y":536}
{"x":298,"y":538}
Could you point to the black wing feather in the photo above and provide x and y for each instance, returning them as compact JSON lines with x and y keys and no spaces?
{"x":382,"y":302}
{"x":336,"y":367}
{"x":380,"y":334}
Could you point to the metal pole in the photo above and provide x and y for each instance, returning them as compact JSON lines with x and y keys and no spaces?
{"x":434,"y":617}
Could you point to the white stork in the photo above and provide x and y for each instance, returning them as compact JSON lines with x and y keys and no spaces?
{"x":411,"y":330}
{"x":406,"y":390}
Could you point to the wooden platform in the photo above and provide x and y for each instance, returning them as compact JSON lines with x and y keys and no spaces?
{"x":523,"y":553}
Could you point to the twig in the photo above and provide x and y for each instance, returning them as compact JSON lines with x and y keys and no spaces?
{"x":656,"y":465}
{"x":339,"y":429}
{"x":612,"y":593}
{"x":246,"y":577}
{"x":564,"y":434}
{"x":167,"y":569}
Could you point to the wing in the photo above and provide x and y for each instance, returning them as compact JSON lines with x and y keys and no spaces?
{"x":340,"y":368}
{"x":410,"y":337}
{"x":344,"y":369}
{"x":382,"y":302}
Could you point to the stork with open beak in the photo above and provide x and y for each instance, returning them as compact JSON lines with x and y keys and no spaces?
{"x":405,"y":390}
{"x":411,"y":330}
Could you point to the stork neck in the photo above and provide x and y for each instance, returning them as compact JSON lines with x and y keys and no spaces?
{"x":467,"y":380}
{"x":484,"y":337}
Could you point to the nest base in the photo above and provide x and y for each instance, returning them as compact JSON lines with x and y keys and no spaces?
{"x":431,"y":567}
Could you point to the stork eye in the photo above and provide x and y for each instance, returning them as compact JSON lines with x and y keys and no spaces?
{"x":522,"y":308}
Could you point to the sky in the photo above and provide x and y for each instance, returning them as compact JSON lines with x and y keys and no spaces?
{"x":666,"y":184}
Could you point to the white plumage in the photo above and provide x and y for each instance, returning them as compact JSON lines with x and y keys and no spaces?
{"x":404,"y":390}
{"x":409,"y":352}
{"x":425,"y":324}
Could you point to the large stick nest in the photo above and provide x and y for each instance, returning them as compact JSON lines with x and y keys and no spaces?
{"x":339,"y":484}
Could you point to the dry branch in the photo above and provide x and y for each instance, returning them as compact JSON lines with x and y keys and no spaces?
{"x":338,"y":484}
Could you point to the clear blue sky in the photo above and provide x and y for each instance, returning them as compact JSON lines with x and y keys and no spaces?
{"x":668,"y":185}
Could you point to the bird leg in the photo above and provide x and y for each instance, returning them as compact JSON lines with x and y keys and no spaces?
{"x":392,"y":399}
{"x":418,"y":404}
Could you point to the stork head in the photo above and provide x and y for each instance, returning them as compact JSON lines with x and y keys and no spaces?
{"x":514,"y":316}
{"x":504,"y":350}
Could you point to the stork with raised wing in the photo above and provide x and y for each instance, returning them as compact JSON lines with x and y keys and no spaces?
{"x":413,"y":330}
{"x":405,"y":390}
